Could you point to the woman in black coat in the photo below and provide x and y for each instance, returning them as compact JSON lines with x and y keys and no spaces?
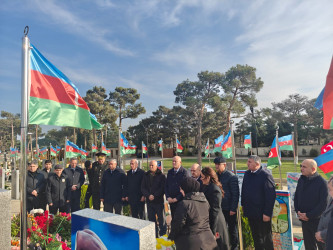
{"x":190,"y":226}
{"x":213,"y":191}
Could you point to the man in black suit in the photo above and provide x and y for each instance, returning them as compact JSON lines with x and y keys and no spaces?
{"x":258,"y":198}
{"x":133,"y":192}
{"x":76,"y":179}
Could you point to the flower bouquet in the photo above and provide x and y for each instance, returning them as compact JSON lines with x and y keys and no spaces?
{"x":164,"y":243}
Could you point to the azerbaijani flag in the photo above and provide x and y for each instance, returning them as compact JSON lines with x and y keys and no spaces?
{"x":12,"y":152}
{"x":207,"y":149}
{"x":84,"y":153}
{"x":72,"y":150}
{"x":286,"y":142}
{"x":327,"y":147}
{"x":43,"y":151}
{"x":54,"y":99}
{"x":274,"y":158}
{"x":144,"y":148}
{"x":325,"y":163}
{"x":58,"y":148}
{"x":104,"y":148}
{"x":325,"y":100}
{"x":160,"y":142}
{"x":218,"y":144}
{"x":125,"y":147}
{"x":179,"y":147}
{"x":53,"y":151}
{"x":94,"y":148}
{"x":226,"y":146}
{"x":247,"y":141}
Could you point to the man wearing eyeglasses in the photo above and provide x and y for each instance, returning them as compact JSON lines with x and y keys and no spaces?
{"x":310,"y":202}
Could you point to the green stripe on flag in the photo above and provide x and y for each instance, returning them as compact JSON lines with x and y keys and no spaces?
{"x":287,"y":147}
{"x":48,"y":112}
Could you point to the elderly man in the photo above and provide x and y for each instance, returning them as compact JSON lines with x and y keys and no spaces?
{"x":258,"y":198}
{"x":113,"y":188}
{"x":152,"y":188}
{"x":230,"y":200}
{"x":310,"y":202}
{"x":172,"y":184}
{"x":76,"y":178}
{"x":133,"y":192}
{"x":58,"y":191}
{"x":95,"y":174}
{"x":196,"y":173}
{"x":35,"y":185}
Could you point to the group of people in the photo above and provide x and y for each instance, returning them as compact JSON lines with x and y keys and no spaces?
{"x":59,"y":188}
{"x":203,"y":204}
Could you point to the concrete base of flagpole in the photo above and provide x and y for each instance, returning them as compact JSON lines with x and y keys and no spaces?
{"x":5,"y":218}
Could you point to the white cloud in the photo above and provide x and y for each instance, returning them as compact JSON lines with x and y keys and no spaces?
{"x":79,"y":25}
{"x":290,"y":43}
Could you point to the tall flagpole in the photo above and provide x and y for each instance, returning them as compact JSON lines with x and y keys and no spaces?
{"x":119,"y":149}
{"x":141,"y":154}
{"x":251,"y":142}
{"x":65,"y":152}
{"x":50,"y":152}
{"x":176,"y":146}
{"x":293,"y":143}
{"x":162,"y":154}
{"x":24,"y":127}
{"x":208,"y":152}
{"x":239,"y":222}
{"x":278,"y":152}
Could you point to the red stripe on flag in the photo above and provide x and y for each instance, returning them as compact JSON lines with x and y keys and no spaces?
{"x":72,"y":149}
{"x":247,"y":141}
{"x":52,"y":88}
{"x":285,"y":143}
{"x":273,"y":153}
{"x":327,"y":167}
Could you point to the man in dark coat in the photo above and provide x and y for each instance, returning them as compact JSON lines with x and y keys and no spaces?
{"x":133,"y":192}
{"x":258,"y":198}
{"x":230,"y":200}
{"x":152,"y":187}
{"x":172,"y":184}
{"x":58,"y":191}
{"x":329,"y":240}
{"x":35,"y":185}
{"x":95,"y":174}
{"x":76,"y":178}
{"x":113,"y":188}
{"x":46,"y":171}
{"x":190,"y":223}
{"x":310,"y":202}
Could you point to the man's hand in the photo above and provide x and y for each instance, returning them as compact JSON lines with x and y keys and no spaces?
{"x":170,"y":200}
{"x":232,"y":213}
{"x":318,"y":237}
{"x":174,"y":200}
{"x":74,"y":187}
{"x":143,"y":199}
{"x":126,"y":199}
{"x":151,"y":197}
{"x":68,"y":201}
{"x":266,"y":218}
{"x":34,"y":193}
{"x":51,"y":204}
{"x":302,"y":216}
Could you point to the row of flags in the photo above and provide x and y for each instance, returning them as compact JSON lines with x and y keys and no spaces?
{"x":72,"y":150}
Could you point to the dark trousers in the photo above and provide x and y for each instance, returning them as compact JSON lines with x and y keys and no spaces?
{"x":75,"y":200}
{"x":309,"y":229}
{"x":33,"y":203}
{"x":62,"y":209}
{"x":137,"y":209}
{"x":109,"y":208}
{"x":86,"y":199}
{"x":96,"y":201}
{"x":261,"y":234}
{"x":157,"y":209}
{"x":173,"y":207}
{"x":232,"y":228}
{"x":43,"y":201}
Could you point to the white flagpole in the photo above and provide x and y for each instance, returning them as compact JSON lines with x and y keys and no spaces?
{"x":141,"y":154}
{"x":293,"y":144}
{"x":24,"y":126}
{"x":176,"y":145}
{"x":278,"y":152}
{"x":251,"y":142}
{"x":162,"y":155}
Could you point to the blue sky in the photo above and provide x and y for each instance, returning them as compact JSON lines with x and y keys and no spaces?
{"x":153,"y":45}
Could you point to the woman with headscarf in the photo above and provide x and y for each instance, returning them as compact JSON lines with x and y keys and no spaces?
{"x":213,"y":191}
{"x":190,"y":226}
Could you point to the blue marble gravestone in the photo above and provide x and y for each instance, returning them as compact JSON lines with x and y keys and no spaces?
{"x":97,"y":230}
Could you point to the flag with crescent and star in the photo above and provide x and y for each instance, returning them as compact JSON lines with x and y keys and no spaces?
{"x":327,"y":147}
{"x":247,"y":141}
{"x":54,"y":99}
{"x":274,"y":157}
{"x":286,"y":142}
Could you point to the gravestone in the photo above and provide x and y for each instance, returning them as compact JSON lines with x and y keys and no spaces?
{"x":5,"y":217}
{"x":2,"y":178}
{"x":92,"y":229}
{"x":15,"y":184}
